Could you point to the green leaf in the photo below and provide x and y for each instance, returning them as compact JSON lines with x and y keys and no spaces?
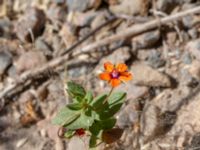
{"x":75,"y":106}
{"x":115,"y":101}
{"x":69,"y":134}
{"x":75,"y":90}
{"x":97,"y":103}
{"x":110,"y":112}
{"x":108,"y":123}
{"x":65,"y":116}
{"x":116,"y":97}
{"x":99,"y":125}
{"x":93,"y":141}
{"x":96,"y":128}
{"x":84,"y":121}
{"x":89,"y":97}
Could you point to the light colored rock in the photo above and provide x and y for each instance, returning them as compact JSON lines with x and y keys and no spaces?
{"x":30,"y":25}
{"x":77,"y":144}
{"x":170,"y":99}
{"x":21,"y":142}
{"x":68,"y":34}
{"x":98,"y":20}
{"x":129,"y":115}
{"x":146,"y":40}
{"x":81,"y":19}
{"x":194,"y":69}
{"x":29,"y":60}
{"x":130,"y":7}
{"x":77,"y":5}
{"x":188,"y":116}
{"x":149,"y":122}
{"x":133,"y":92}
{"x":194,"y":48}
{"x":146,"y":76}
{"x":57,"y":12}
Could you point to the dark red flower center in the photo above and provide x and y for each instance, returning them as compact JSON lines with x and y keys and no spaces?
{"x":115,"y":74}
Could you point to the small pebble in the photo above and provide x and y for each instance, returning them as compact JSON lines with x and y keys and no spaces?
{"x":21,"y":142}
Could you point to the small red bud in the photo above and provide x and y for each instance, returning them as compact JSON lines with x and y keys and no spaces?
{"x":80,"y":132}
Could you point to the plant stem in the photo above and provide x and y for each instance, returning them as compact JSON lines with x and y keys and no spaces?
{"x":108,"y":95}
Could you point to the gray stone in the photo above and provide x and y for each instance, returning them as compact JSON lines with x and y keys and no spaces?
{"x":194,"y":48}
{"x":79,"y":71}
{"x":151,"y":38}
{"x":5,"y":61}
{"x":186,"y":58}
{"x":12,"y":72}
{"x":155,"y":59}
{"x":155,"y":123}
{"x":29,"y":60}
{"x":149,"y":122}
{"x":193,"y":33}
{"x":40,"y":44}
{"x":146,"y":40}
{"x":77,"y":5}
{"x":195,"y":142}
{"x":185,"y":78}
{"x":147,"y":76}
{"x":130,"y":7}
{"x":77,"y":144}
{"x":194,"y":69}
{"x":188,"y":21}
{"x":170,"y":99}
{"x":98,"y":20}
{"x":31,"y":25}
{"x":5,"y":27}
{"x":57,"y":13}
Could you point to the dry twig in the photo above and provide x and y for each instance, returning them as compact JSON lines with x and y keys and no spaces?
{"x":140,"y":28}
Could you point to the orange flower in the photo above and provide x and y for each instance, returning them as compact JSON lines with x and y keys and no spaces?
{"x":115,"y":74}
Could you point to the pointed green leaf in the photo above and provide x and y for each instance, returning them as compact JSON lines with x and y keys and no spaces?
{"x":65,"y":116}
{"x":75,"y":106}
{"x":108,"y":123}
{"x":89,"y":97}
{"x":115,"y":101}
{"x":117,"y":97}
{"x":96,"y":128}
{"x":110,"y":112}
{"x":97,"y":102}
{"x":75,"y":90}
{"x":84,"y":121}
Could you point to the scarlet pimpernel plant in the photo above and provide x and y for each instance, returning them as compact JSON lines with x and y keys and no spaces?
{"x":93,"y":115}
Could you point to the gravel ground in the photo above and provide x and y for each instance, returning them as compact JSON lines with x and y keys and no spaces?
{"x":162,"y":109}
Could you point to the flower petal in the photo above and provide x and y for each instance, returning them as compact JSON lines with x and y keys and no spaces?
{"x":115,"y":82}
{"x":105,"y":76}
{"x":125,"y":76}
{"x":121,"y":67}
{"x":108,"y":66}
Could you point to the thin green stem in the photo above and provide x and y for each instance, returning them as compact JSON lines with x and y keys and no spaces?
{"x":108,"y":95}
